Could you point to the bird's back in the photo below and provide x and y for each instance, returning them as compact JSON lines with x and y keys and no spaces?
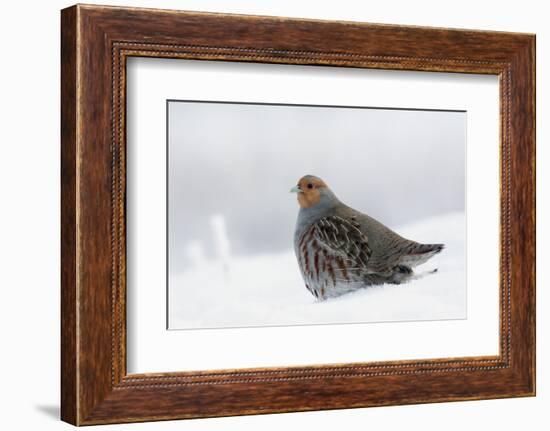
{"x":389,"y":249}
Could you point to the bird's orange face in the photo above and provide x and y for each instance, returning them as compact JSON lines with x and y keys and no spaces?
{"x":309,"y":190}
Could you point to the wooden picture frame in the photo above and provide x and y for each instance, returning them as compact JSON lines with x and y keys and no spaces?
{"x":95,"y":43}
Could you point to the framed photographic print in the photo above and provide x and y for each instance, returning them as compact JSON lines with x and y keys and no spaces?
{"x":258,"y":208}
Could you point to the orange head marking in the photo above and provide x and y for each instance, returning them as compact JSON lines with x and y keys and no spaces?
{"x":309,"y":190}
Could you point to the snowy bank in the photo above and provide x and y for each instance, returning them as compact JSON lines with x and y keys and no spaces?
{"x":268,"y":289}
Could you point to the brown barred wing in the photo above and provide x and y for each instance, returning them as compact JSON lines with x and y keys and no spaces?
{"x":342,"y":238}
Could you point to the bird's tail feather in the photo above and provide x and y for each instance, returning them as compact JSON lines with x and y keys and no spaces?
{"x":428,"y":248}
{"x":421,"y":253}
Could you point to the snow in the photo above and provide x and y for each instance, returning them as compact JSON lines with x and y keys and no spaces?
{"x":267,"y":290}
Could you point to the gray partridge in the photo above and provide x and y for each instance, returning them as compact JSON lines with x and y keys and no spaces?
{"x":340,"y":250}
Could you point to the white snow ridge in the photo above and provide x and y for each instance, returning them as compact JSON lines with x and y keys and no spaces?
{"x":267,"y":290}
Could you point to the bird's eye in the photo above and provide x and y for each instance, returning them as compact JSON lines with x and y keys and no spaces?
{"x":310,"y":186}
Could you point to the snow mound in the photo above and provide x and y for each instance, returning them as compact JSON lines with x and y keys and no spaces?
{"x":267,"y":290}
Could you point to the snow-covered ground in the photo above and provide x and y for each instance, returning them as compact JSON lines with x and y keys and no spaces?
{"x":268,"y":289}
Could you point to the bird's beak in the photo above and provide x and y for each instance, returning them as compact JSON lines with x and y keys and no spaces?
{"x":296,"y":189}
